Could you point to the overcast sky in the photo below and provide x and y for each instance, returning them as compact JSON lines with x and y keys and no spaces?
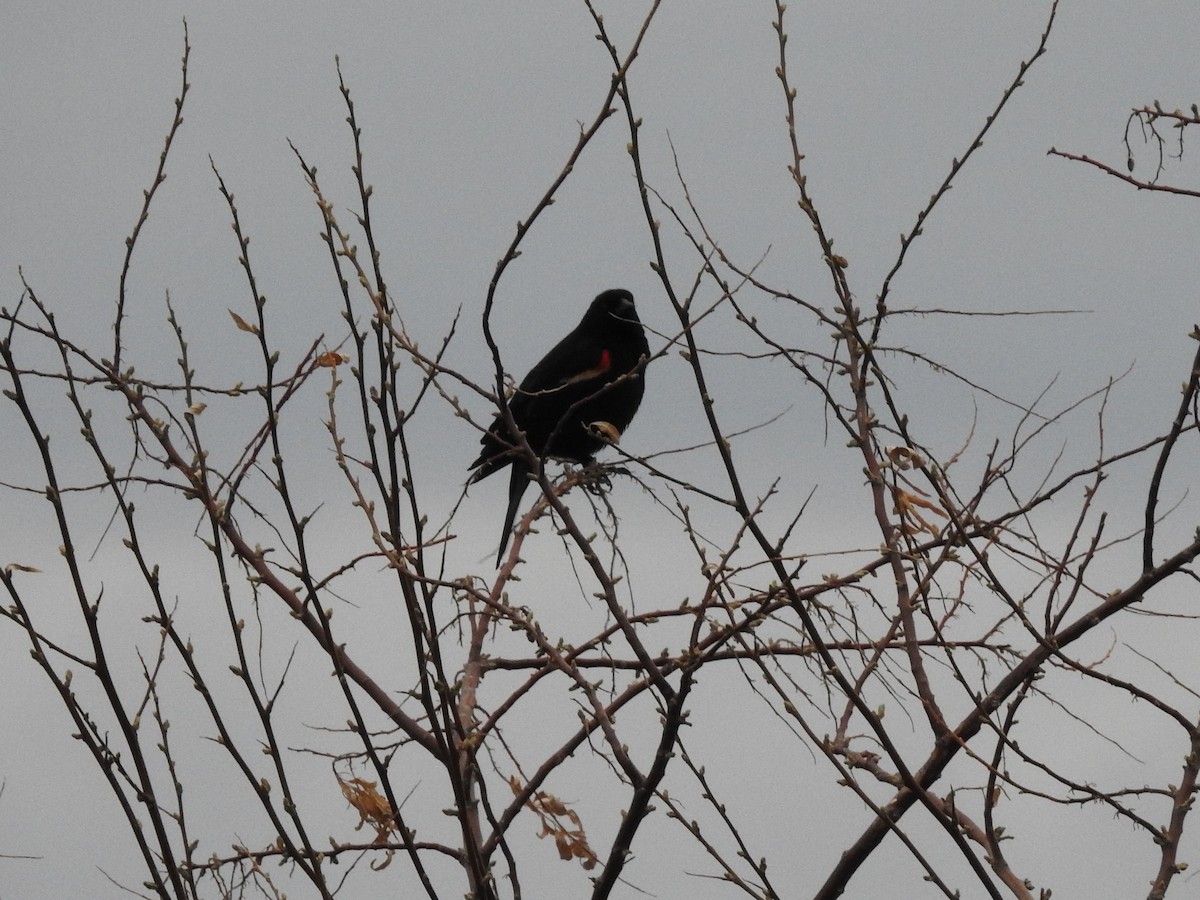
{"x":469,"y":111}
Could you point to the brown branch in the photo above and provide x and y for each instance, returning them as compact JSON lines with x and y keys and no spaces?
{"x":1123,"y":176}
{"x":160,"y":175}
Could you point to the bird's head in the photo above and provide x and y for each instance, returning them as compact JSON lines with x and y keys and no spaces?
{"x":616,"y":303}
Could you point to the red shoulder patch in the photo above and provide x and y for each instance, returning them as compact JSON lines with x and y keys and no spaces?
{"x":602,"y":365}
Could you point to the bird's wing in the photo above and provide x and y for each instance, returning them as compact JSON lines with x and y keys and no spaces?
{"x":577,"y":357}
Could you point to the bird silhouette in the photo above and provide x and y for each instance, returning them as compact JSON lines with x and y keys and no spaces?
{"x":580,"y":381}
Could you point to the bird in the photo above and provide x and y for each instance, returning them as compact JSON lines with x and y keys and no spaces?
{"x":590,"y":376}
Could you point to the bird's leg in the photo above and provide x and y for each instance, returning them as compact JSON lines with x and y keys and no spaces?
{"x":596,"y":478}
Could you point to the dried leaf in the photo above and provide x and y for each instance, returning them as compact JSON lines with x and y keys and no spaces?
{"x":330,"y":360}
{"x":372,"y":806}
{"x":569,"y":837}
{"x":243,"y":324}
{"x":606,"y":430}
{"x":905,"y":457}
{"x":908,"y":505}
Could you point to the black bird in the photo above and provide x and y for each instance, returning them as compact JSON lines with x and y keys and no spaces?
{"x":605,"y":345}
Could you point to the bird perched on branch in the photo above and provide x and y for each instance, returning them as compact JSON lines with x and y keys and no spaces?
{"x":587,"y":379}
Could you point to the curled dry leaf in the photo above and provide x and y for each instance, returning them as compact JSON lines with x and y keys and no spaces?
{"x":909,"y":505}
{"x":606,"y":430}
{"x":569,"y":837}
{"x":905,"y":458}
{"x":372,"y":806}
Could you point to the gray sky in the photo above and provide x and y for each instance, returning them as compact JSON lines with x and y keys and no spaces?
{"x":469,"y":111}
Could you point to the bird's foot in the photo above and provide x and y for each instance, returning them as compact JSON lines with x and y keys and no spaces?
{"x":597,"y":477}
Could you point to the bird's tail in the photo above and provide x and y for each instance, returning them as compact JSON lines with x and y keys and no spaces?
{"x":518,"y":481}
